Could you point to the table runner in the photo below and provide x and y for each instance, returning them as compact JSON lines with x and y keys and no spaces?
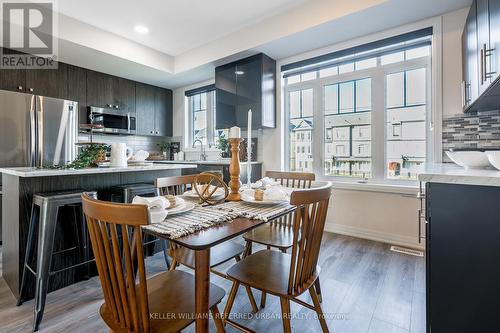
{"x":256,"y":212}
{"x":184,"y":224}
{"x":204,"y":217}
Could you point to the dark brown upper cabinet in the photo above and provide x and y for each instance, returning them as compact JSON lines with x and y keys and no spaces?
{"x":153,"y":110}
{"x":13,"y":80}
{"x":77,"y":90}
{"x":109,"y":91}
{"x":248,"y":83}
{"x":481,"y":57}
{"x":145,"y":109}
{"x":48,"y":82}
{"x":164,"y":112}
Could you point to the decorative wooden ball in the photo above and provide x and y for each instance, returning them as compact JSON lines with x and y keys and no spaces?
{"x":210,"y":182}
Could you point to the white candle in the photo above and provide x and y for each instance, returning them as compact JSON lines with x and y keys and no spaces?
{"x":234,"y":132}
{"x":249,"y":147}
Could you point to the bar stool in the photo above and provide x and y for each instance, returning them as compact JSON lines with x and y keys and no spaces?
{"x":125,"y":194}
{"x":44,"y":213}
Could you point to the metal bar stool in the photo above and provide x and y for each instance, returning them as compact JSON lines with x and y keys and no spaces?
{"x":125,"y":194}
{"x":44,"y":213}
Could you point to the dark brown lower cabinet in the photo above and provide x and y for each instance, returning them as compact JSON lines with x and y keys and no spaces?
{"x":463,"y":258}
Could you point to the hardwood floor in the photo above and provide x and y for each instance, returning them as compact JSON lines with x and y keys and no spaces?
{"x":366,"y":289}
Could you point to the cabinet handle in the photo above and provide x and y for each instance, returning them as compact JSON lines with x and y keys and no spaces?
{"x":419,"y":222}
{"x":483,"y":59}
{"x":157,"y":132}
{"x":464,"y":92}
{"x":19,"y":87}
{"x":116,"y":106}
{"x":152,"y":132}
{"x":31,"y":89}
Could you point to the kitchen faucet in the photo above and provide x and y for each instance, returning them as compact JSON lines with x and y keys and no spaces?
{"x":203,"y":155}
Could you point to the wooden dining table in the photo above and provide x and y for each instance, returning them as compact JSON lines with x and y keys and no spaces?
{"x":201,"y":242}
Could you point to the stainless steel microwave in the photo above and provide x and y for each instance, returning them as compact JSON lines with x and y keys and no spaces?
{"x":112,"y":121}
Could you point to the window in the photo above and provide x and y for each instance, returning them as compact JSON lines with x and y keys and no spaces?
{"x":301,"y":126}
{"x":371,"y":114}
{"x":202,"y":115}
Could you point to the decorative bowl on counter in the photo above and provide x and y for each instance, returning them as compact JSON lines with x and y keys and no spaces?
{"x":494,"y":158}
{"x":469,"y":159}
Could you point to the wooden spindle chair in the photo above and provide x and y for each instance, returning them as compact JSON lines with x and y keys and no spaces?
{"x":288,"y":275}
{"x":278,"y":233}
{"x":163,"y":303}
{"x":219,"y":254}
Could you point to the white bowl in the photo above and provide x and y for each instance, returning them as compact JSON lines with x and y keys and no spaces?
{"x":494,"y":158}
{"x":469,"y":159}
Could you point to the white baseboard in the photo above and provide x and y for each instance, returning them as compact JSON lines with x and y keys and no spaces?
{"x":378,"y":236}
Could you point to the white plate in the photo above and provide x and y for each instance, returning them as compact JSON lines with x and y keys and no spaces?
{"x":251,"y":199}
{"x":186,"y":207}
{"x":219,"y":194}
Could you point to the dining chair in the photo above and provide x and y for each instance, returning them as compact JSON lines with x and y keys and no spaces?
{"x":163,"y":303}
{"x":219,"y":254}
{"x":288,"y":275}
{"x":278,"y":233}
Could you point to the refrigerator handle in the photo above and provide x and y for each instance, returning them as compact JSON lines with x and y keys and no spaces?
{"x":39,"y":131}
{"x":33,"y":135}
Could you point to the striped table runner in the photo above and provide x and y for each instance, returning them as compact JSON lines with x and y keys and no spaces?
{"x":205,"y":217}
{"x":184,"y":224}
{"x":256,"y":212}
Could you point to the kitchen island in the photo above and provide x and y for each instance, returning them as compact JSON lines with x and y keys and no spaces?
{"x":19,"y":185}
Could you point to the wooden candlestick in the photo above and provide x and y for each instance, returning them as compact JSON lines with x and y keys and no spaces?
{"x":234,"y":170}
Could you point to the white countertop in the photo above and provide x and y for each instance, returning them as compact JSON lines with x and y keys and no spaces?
{"x":217,"y":162}
{"x":36,"y":172}
{"x":453,"y":174}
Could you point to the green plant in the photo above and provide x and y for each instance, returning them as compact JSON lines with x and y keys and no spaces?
{"x":223,"y":143}
{"x":88,"y":156}
{"x":405,"y":159}
{"x":164,"y":146}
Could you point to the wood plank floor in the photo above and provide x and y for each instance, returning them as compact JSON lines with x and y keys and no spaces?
{"x":366,"y":288}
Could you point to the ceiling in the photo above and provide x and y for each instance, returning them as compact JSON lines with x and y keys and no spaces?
{"x":188,"y":38}
{"x":175,"y":26}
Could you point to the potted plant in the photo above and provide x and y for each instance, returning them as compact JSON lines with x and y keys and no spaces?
{"x":223,"y":145}
{"x":89,"y":156}
{"x":164,"y":149}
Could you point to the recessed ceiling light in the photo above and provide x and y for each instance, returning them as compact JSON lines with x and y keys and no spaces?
{"x":140,"y":29}
{"x":239,"y":72}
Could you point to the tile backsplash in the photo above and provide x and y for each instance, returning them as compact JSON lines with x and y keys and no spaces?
{"x":475,"y":130}
{"x":136,"y":142}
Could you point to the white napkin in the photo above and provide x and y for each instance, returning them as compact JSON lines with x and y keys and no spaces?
{"x":179,"y":203}
{"x":157,"y":215}
{"x":275,"y":194}
{"x":266,"y":181}
{"x":140,"y":155}
{"x":152,"y":202}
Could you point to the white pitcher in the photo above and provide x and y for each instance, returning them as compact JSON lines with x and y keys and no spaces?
{"x":119,"y":154}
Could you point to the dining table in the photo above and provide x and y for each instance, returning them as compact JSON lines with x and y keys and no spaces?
{"x":201,"y":242}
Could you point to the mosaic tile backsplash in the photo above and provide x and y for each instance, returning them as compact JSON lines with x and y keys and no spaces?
{"x":475,"y":130}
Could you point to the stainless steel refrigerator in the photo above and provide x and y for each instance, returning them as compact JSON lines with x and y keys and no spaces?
{"x":36,"y":130}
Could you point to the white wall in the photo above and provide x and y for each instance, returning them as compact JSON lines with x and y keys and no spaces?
{"x":377,"y":215}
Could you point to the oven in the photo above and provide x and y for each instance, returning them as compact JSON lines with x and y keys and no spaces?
{"x":112,"y":121}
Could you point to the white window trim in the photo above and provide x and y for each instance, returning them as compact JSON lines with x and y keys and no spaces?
{"x":210,"y":120}
{"x":436,"y":90}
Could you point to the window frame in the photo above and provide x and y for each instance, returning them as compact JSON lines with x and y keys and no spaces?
{"x":210,"y":118}
{"x":378,"y":116}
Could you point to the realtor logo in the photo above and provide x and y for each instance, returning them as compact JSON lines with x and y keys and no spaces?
{"x":28,"y":34}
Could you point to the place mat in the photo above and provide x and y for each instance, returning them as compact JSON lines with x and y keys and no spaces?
{"x":195,"y":220}
{"x":255,"y":212}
